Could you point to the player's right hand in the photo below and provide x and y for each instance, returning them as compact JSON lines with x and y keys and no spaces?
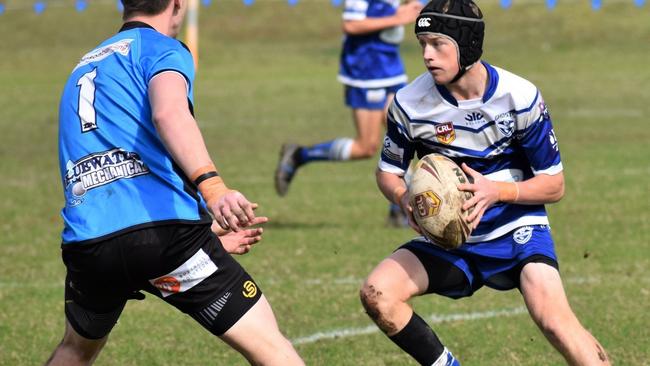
{"x":242,"y":241}
{"x":233,"y":211}
{"x":405,"y":205}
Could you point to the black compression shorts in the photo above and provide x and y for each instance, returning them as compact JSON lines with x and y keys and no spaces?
{"x":185,"y":265}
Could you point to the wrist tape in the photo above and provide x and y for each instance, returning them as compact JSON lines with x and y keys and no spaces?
{"x":508,"y":191}
{"x":209,"y":183}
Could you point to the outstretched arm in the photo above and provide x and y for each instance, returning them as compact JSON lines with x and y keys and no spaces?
{"x":182,"y":138}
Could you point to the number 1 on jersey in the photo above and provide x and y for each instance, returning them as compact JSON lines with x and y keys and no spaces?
{"x":87,"y":114}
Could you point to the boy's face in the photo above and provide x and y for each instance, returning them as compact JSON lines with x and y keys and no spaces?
{"x":440,"y":55}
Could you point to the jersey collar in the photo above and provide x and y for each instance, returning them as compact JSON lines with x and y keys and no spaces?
{"x":135,"y":24}
{"x":493,"y":81}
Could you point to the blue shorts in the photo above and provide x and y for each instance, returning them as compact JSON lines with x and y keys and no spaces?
{"x":363,"y":98}
{"x":495,"y":263}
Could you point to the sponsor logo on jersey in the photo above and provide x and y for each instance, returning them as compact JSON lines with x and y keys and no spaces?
{"x":168,"y":283}
{"x":427,"y":204}
{"x":123,"y":47}
{"x":474,"y":118}
{"x":186,"y":276}
{"x":506,"y":123}
{"x":445,"y":133}
{"x":424,"y":22}
{"x":250,"y":289}
{"x":553,"y":140}
{"x":392,"y":151}
{"x":523,"y":234}
{"x":98,"y":169}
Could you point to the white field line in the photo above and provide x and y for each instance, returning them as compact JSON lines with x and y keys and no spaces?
{"x":432,"y":319}
{"x":353,"y":332}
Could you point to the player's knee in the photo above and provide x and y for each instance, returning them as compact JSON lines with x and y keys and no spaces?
{"x":376,"y":301}
{"x":380,"y":304}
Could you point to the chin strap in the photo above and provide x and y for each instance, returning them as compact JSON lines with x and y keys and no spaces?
{"x":461,"y":72}
{"x":458,"y":76}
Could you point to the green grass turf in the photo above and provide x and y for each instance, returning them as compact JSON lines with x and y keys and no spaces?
{"x":267,"y":75}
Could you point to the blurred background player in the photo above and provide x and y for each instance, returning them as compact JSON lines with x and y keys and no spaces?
{"x":133,"y":163}
{"x":497,"y":126}
{"x":372,"y":71}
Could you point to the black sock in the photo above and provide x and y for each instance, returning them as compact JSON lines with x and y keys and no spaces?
{"x":418,"y":340}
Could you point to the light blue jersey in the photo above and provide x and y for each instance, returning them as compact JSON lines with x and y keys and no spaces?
{"x":507,"y":136}
{"x":372,"y":60}
{"x":116,"y":173}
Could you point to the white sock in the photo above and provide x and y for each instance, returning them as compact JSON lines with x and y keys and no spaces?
{"x":341,"y":149}
{"x":442,"y":360}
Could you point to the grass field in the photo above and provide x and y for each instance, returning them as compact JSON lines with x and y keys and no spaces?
{"x":267,"y":75}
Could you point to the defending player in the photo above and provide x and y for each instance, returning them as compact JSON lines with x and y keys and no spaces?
{"x":497,"y":126}
{"x":133,"y":163}
{"x":371,"y":71}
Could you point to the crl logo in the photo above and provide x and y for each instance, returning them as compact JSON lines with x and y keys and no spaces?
{"x":424,"y":22}
{"x":445,"y":132}
{"x":474,"y":117}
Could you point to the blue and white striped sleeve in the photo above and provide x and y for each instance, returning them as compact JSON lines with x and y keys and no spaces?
{"x":539,"y":140}
{"x":398,"y":149}
{"x":355,"y":9}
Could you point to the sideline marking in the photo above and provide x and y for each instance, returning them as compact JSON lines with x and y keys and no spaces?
{"x":433,"y":319}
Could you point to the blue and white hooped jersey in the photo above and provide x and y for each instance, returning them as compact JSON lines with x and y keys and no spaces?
{"x":507,"y":136}
{"x":116,"y":173}
{"x":372,"y":60}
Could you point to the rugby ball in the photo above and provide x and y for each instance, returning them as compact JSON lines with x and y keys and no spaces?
{"x":437,"y":203}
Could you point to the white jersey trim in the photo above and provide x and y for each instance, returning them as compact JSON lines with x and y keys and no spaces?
{"x":502,"y":230}
{"x":555,"y":169}
{"x":354,"y":16}
{"x":187,"y":86}
{"x":372,"y":84}
{"x":506,"y":175}
{"x":390,"y":168}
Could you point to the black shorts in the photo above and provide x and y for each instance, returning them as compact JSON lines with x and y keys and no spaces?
{"x":185,"y":265}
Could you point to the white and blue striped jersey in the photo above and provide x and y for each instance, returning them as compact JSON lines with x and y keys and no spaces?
{"x":372,"y":60}
{"x":507,"y":136}
{"x":116,"y":173}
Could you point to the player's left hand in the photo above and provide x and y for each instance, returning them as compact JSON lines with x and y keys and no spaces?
{"x":240,"y":242}
{"x":486,"y":193}
{"x":233,"y":211}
